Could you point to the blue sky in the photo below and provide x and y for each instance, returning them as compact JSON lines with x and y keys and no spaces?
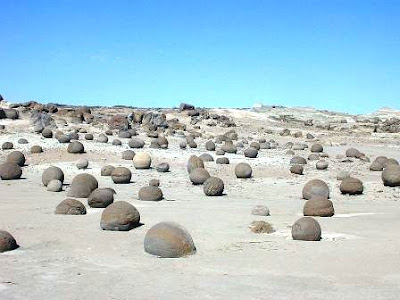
{"x":337,"y":55}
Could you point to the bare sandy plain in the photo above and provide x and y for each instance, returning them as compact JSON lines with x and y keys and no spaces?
{"x":70,"y":257}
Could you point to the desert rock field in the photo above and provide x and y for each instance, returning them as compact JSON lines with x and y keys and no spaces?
{"x":267,"y":202}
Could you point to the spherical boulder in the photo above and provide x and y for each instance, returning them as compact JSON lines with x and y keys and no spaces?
{"x":251,"y":152}
{"x":315,"y":187}
{"x":298,"y":160}
{"x":260,"y":210}
{"x":352,"y":152}
{"x":193,"y":163}
{"x":121,"y":175}
{"x":210,"y":146}
{"x":318,"y":207}
{"x":89,"y":137}
{"x":63,"y":139}
{"x":52,"y":173}
{"x":376,"y":166}
{"x":306,"y":229}
{"x":213,"y":186}
{"x":222,"y":161}
{"x":199,"y":176}
{"x":82,"y":185}
{"x":162,"y":167}
{"x":243,"y":170}
{"x":169,"y":240}
{"x":75,"y":147}
{"x":351,"y":186}
{"x":150,"y":193}
{"x":16,"y":157}
{"x":36,"y":149}
{"x":313,"y":156}
{"x":47,"y":133}
{"x":54,"y":185}
{"x":317,"y":148}
{"x":297,"y":169}
{"x":10,"y":171}
{"x":82,"y":163}
{"x":7,"y":146}
{"x":7,"y":242}
{"x":102,"y":138}
{"x":116,"y":142}
{"x":120,"y":216}
{"x":205,"y":157}
{"x":23,"y":141}
{"x":128,"y":155}
{"x":101,"y":198}
{"x":142,"y":160}
{"x":390,"y":162}
{"x":321,"y":165}
{"x":391,"y":176}
{"x":182,"y":144}
{"x":70,"y":207}
{"x":106,"y":170}
{"x":136,"y":143}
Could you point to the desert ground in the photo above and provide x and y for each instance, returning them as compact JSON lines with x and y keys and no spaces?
{"x":71,"y":257}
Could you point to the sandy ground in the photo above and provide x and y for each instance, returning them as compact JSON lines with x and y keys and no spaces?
{"x":70,"y":257}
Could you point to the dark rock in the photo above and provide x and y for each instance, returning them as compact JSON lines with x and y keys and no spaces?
{"x":70,"y":207}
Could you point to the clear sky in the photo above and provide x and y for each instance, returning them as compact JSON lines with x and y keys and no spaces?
{"x":339,"y":55}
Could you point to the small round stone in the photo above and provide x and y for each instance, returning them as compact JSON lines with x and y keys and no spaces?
{"x":89,"y":137}
{"x":150,"y":193}
{"x":391,"y":176}
{"x":222,"y":161}
{"x":136,"y":143}
{"x":162,"y":167}
{"x":297,"y":169}
{"x":120,"y":216}
{"x":82,"y":163}
{"x":342,"y":175}
{"x":210,"y":146}
{"x":23,"y":141}
{"x":7,"y":146}
{"x":205,"y":157}
{"x":154,"y":182}
{"x":82,"y":185}
{"x":47,"y":133}
{"x":121,"y":175}
{"x":321,"y":165}
{"x":142,"y":160}
{"x":199,"y":176}
{"x":315,"y":187}
{"x":54,"y":185}
{"x":260,"y":210}
{"x":70,"y":207}
{"x":213,"y":186}
{"x":7,"y":242}
{"x":116,"y":142}
{"x":243,"y":170}
{"x":352,"y":152}
{"x":351,"y":186}
{"x":318,"y":207}
{"x":102,"y":138}
{"x":36,"y":149}
{"x":306,"y":229}
{"x":193,"y":163}
{"x":169,"y":240}
{"x":106,"y":170}
{"x":75,"y":147}
{"x":317,"y":148}
{"x":313,"y":156}
{"x":251,"y":152}
{"x":101,"y":198}
{"x":298,"y":160}
{"x":128,"y":155}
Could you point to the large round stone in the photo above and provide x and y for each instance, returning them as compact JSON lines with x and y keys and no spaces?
{"x":17,"y":158}
{"x":101,"y":198}
{"x":260,"y":210}
{"x":70,"y":207}
{"x":352,"y":152}
{"x":205,"y":157}
{"x":136,"y":143}
{"x":351,"y":186}
{"x":193,"y":163}
{"x":142,"y":160}
{"x":82,"y":185}
{"x":82,"y":163}
{"x":128,"y":155}
{"x":315,"y":187}
{"x":210,"y":146}
{"x":213,"y":186}
{"x":150,"y":193}
{"x":251,"y":152}
{"x":120,"y":216}
{"x":10,"y":171}
{"x":121,"y":175}
{"x":7,"y":242}
{"x":52,"y":173}
{"x":319,"y":207}
{"x":169,"y":240}
{"x":306,"y":229}
{"x":297,"y":169}
{"x":243,"y":170}
{"x":391,"y":176}
{"x":75,"y":147}
{"x":54,"y":185}
{"x":199,"y":176}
